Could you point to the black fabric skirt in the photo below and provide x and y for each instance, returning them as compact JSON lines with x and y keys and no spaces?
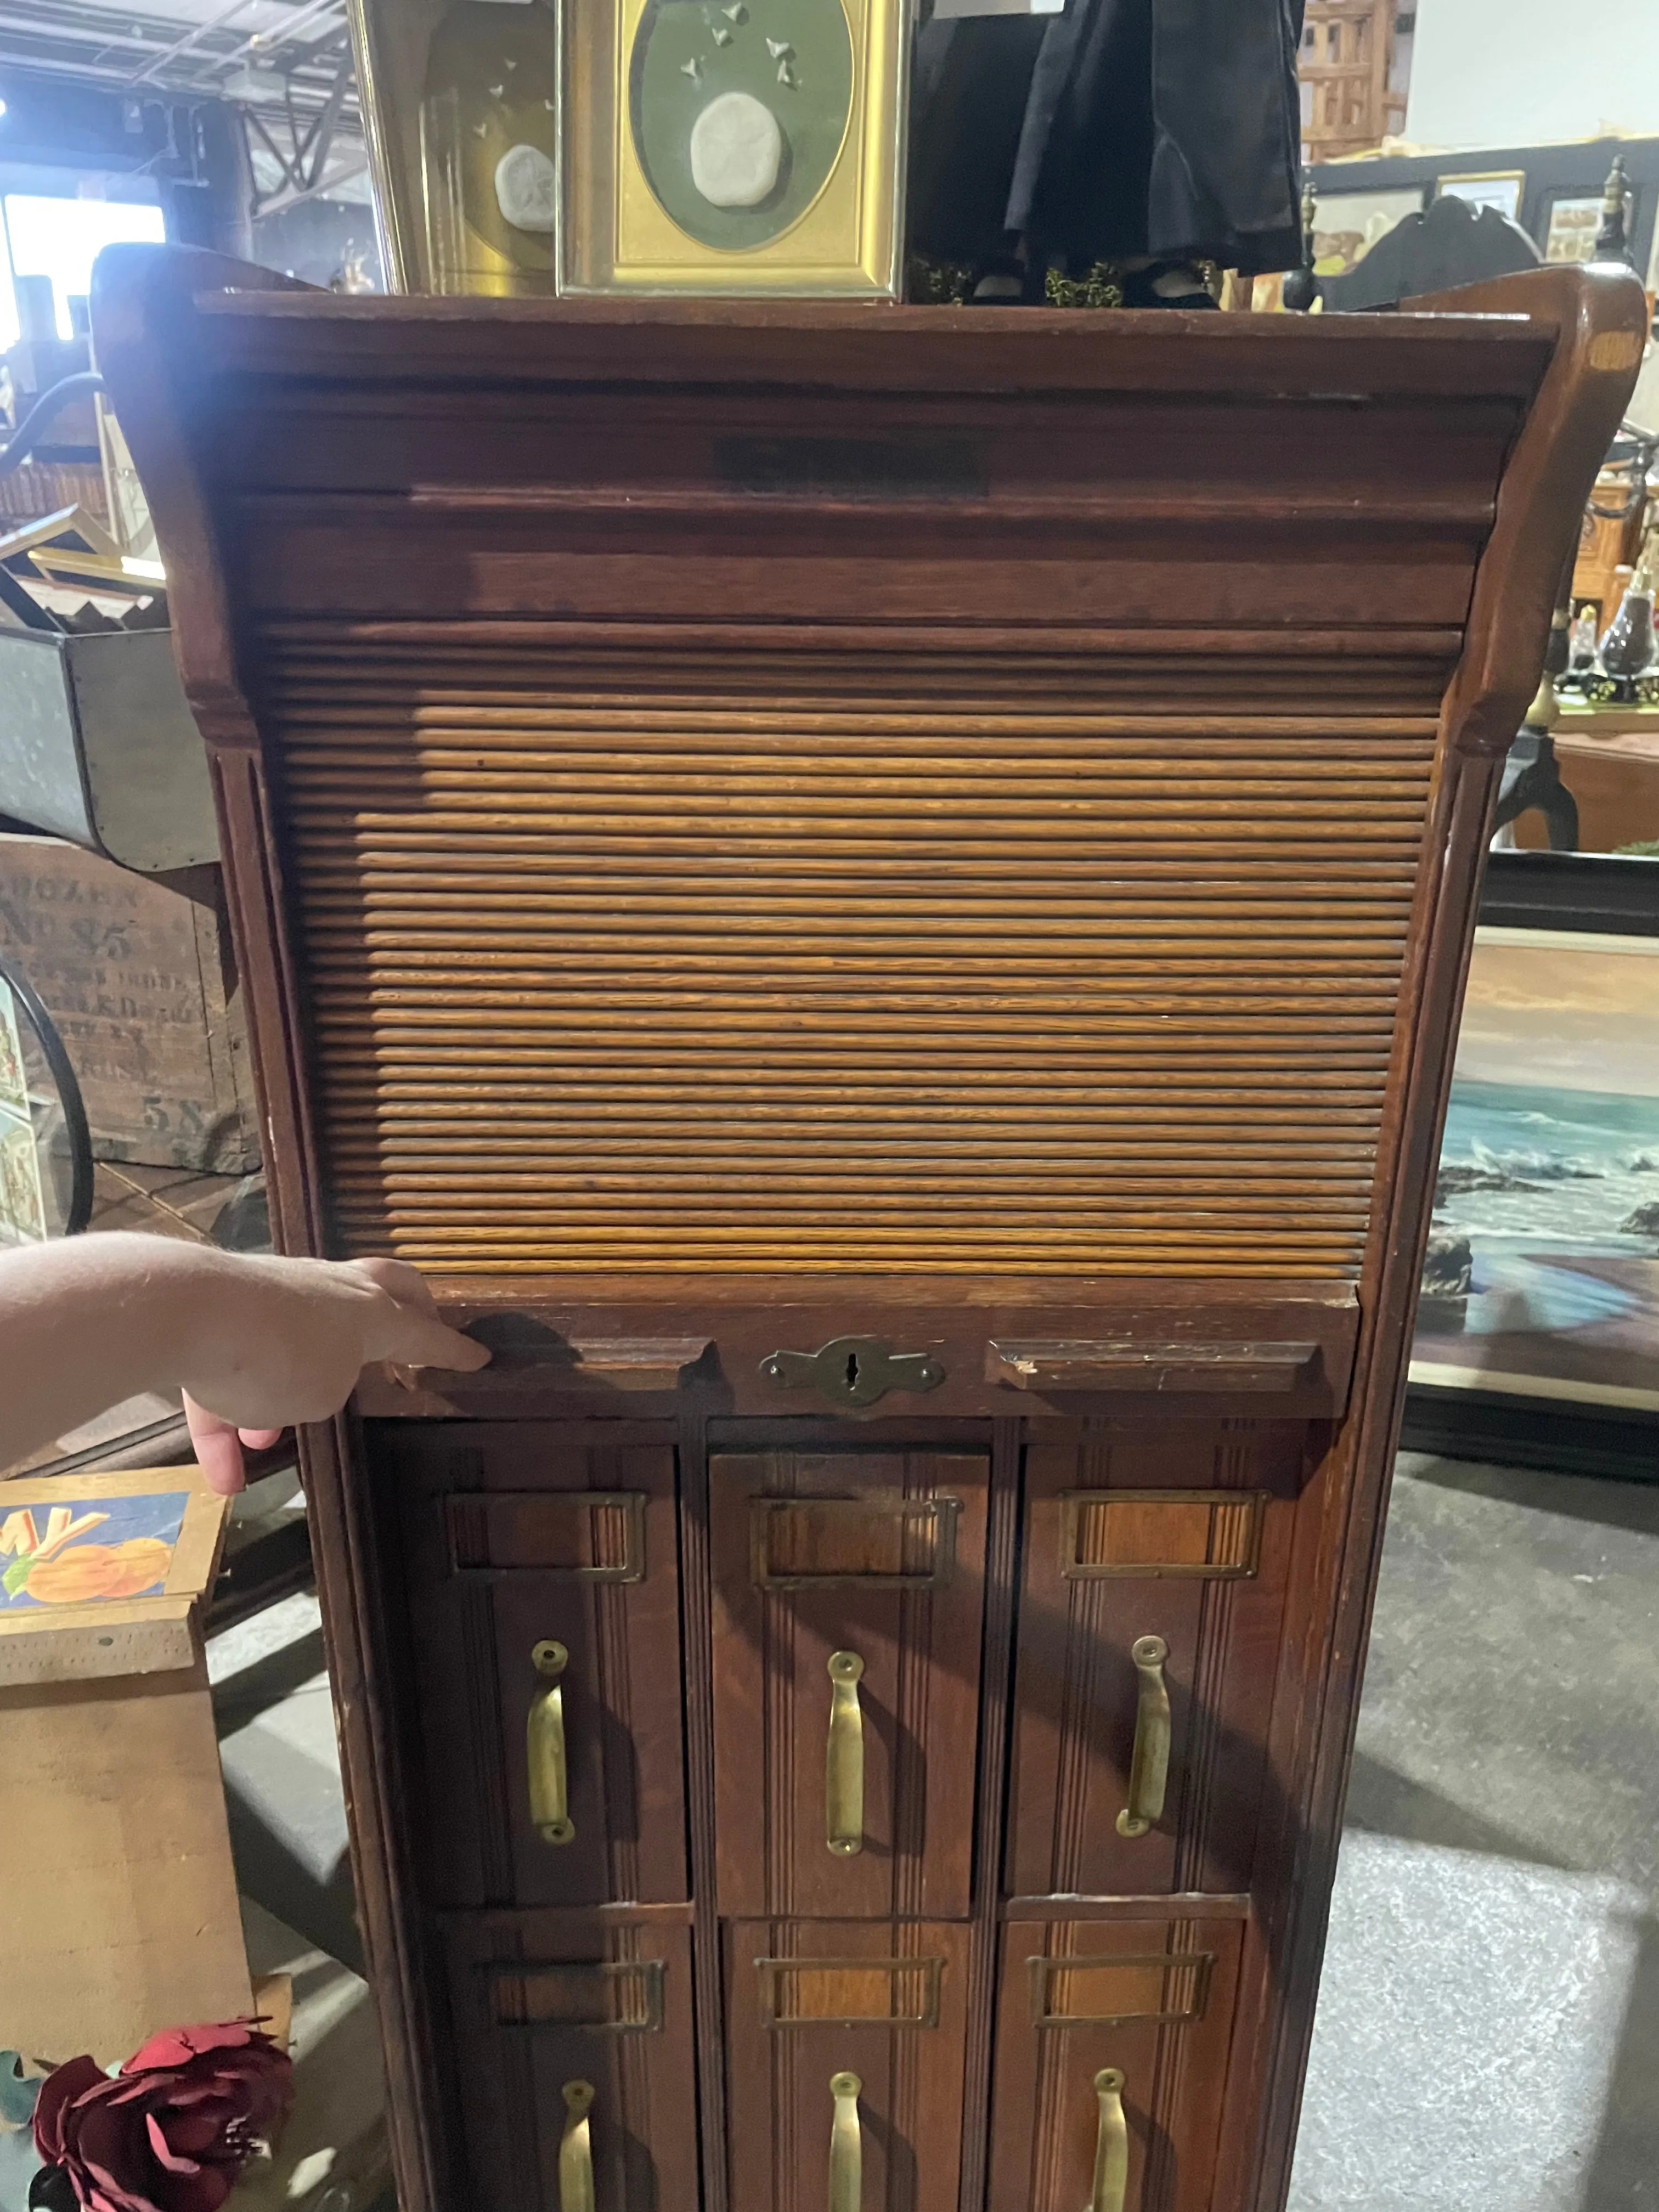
{"x":1122,"y":127}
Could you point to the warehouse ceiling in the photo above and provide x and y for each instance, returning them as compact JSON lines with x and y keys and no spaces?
{"x":287,"y":63}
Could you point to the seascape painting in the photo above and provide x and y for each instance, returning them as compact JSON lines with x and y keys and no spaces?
{"x":1542,"y":1277}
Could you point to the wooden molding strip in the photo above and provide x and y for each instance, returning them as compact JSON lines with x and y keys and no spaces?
{"x":1126,"y":1365}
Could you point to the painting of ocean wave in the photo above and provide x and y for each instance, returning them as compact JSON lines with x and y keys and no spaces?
{"x":1543,"y":1271}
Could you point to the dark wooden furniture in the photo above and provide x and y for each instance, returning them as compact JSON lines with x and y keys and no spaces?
{"x":929,"y":1077}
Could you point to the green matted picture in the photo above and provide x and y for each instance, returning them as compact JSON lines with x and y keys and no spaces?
{"x":752,"y":147}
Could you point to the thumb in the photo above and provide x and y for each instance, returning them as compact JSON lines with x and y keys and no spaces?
{"x":218,"y":1448}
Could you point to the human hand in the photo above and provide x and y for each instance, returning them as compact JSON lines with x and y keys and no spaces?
{"x":285,"y":1340}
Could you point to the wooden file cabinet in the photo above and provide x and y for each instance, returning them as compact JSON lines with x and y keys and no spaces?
{"x":928,"y":1078}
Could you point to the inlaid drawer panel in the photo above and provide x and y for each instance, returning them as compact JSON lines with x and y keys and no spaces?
{"x":845,"y":2046}
{"x":572,"y":2045}
{"x":1111,"y":2054}
{"x":847,"y":1604}
{"x":1152,"y":1601}
{"x":543,"y":1570}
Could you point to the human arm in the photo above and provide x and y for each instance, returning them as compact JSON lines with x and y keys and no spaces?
{"x":253,"y":1342}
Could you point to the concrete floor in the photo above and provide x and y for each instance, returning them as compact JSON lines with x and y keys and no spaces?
{"x":1488,"y":2030}
{"x":1487,"y":2037}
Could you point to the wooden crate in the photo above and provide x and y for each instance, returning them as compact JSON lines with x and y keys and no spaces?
{"x":135,"y":972}
{"x":118,"y":1913}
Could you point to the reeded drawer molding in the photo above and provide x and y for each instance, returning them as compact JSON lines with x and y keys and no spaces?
{"x":542,"y":1583}
{"x":555,"y":2015}
{"x":1146,"y":1631}
{"x":848,"y":1609}
{"x":883,"y":2003}
{"x":1149,"y":2004}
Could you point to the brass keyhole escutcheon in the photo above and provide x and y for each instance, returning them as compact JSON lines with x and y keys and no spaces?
{"x":853,"y":1371}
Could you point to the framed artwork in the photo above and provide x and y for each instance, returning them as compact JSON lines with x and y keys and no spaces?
{"x":74,"y":1541}
{"x":1346,"y":225}
{"x":1571,"y":228}
{"x":1496,"y":188}
{"x":730,"y":147}
{"x":1553,"y":192}
{"x":1538,"y":1330}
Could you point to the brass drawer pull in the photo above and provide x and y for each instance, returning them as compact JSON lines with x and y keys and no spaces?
{"x":1111,"y":2144}
{"x":576,"y":2150}
{"x":846,"y":2146}
{"x":843,"y":1774}
{"x":1149,"y":1769}
{"x":544,"y":1759}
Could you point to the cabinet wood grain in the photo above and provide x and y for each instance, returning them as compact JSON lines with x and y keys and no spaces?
{"x":878,"y":1555}
{"x":518,"y":1533}
{"x":807,"y":2001}
{"x":747,"y":826}
{"x":1153,"y":2001}
{"x":1177,"y":1530}
{"x":544,"y":2003}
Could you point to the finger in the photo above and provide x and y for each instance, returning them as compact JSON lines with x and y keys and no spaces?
{"x":259,"y":1439}
{"x":218,"y":1452}
{"x":419,"y":1340}
{"x":407,"y":1284}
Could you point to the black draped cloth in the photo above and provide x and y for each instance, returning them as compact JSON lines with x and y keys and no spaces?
{"x":1122,"y":127}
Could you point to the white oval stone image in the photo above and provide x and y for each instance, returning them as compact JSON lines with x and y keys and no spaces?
{"x":526,"y":188}
{"x":737,"y":150}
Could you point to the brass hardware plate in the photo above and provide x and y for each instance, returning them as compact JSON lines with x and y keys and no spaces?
{"x":850,"y":1992}
{"x":581,"y":1535}
{"x":1063,"y":1365}
{"x":853,"y":1371}
{"x":1165,"y":1986}
{"x":600,"y":1997}
{"x":872,"y":1543}
{"x":1212,"y":1535}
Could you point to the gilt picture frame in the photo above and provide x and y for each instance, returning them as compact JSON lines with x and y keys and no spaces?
{"x":733,"y":147}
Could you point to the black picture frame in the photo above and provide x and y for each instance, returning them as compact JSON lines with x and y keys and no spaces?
{"x":1598,"y":895}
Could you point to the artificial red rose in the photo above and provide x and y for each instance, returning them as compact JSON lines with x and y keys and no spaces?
{"x":174,"y":2128}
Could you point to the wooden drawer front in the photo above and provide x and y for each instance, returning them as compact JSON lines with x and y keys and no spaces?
{"x":1175,"y":1538}
{"x":808,"y":2005}
{"x":547,"y":2007}
{"x":1151,"y":2001}
{"x":523,"y":1536}
{"x":864,"y":1557}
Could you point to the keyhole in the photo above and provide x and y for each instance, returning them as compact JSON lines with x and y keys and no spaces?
{"x":851,"y":1372}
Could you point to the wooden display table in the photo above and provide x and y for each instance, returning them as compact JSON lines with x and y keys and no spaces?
{"x":1610,"y":758}
{"x":880,"y":896}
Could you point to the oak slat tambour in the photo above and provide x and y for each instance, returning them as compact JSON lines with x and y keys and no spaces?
{"x":603,"y":975}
